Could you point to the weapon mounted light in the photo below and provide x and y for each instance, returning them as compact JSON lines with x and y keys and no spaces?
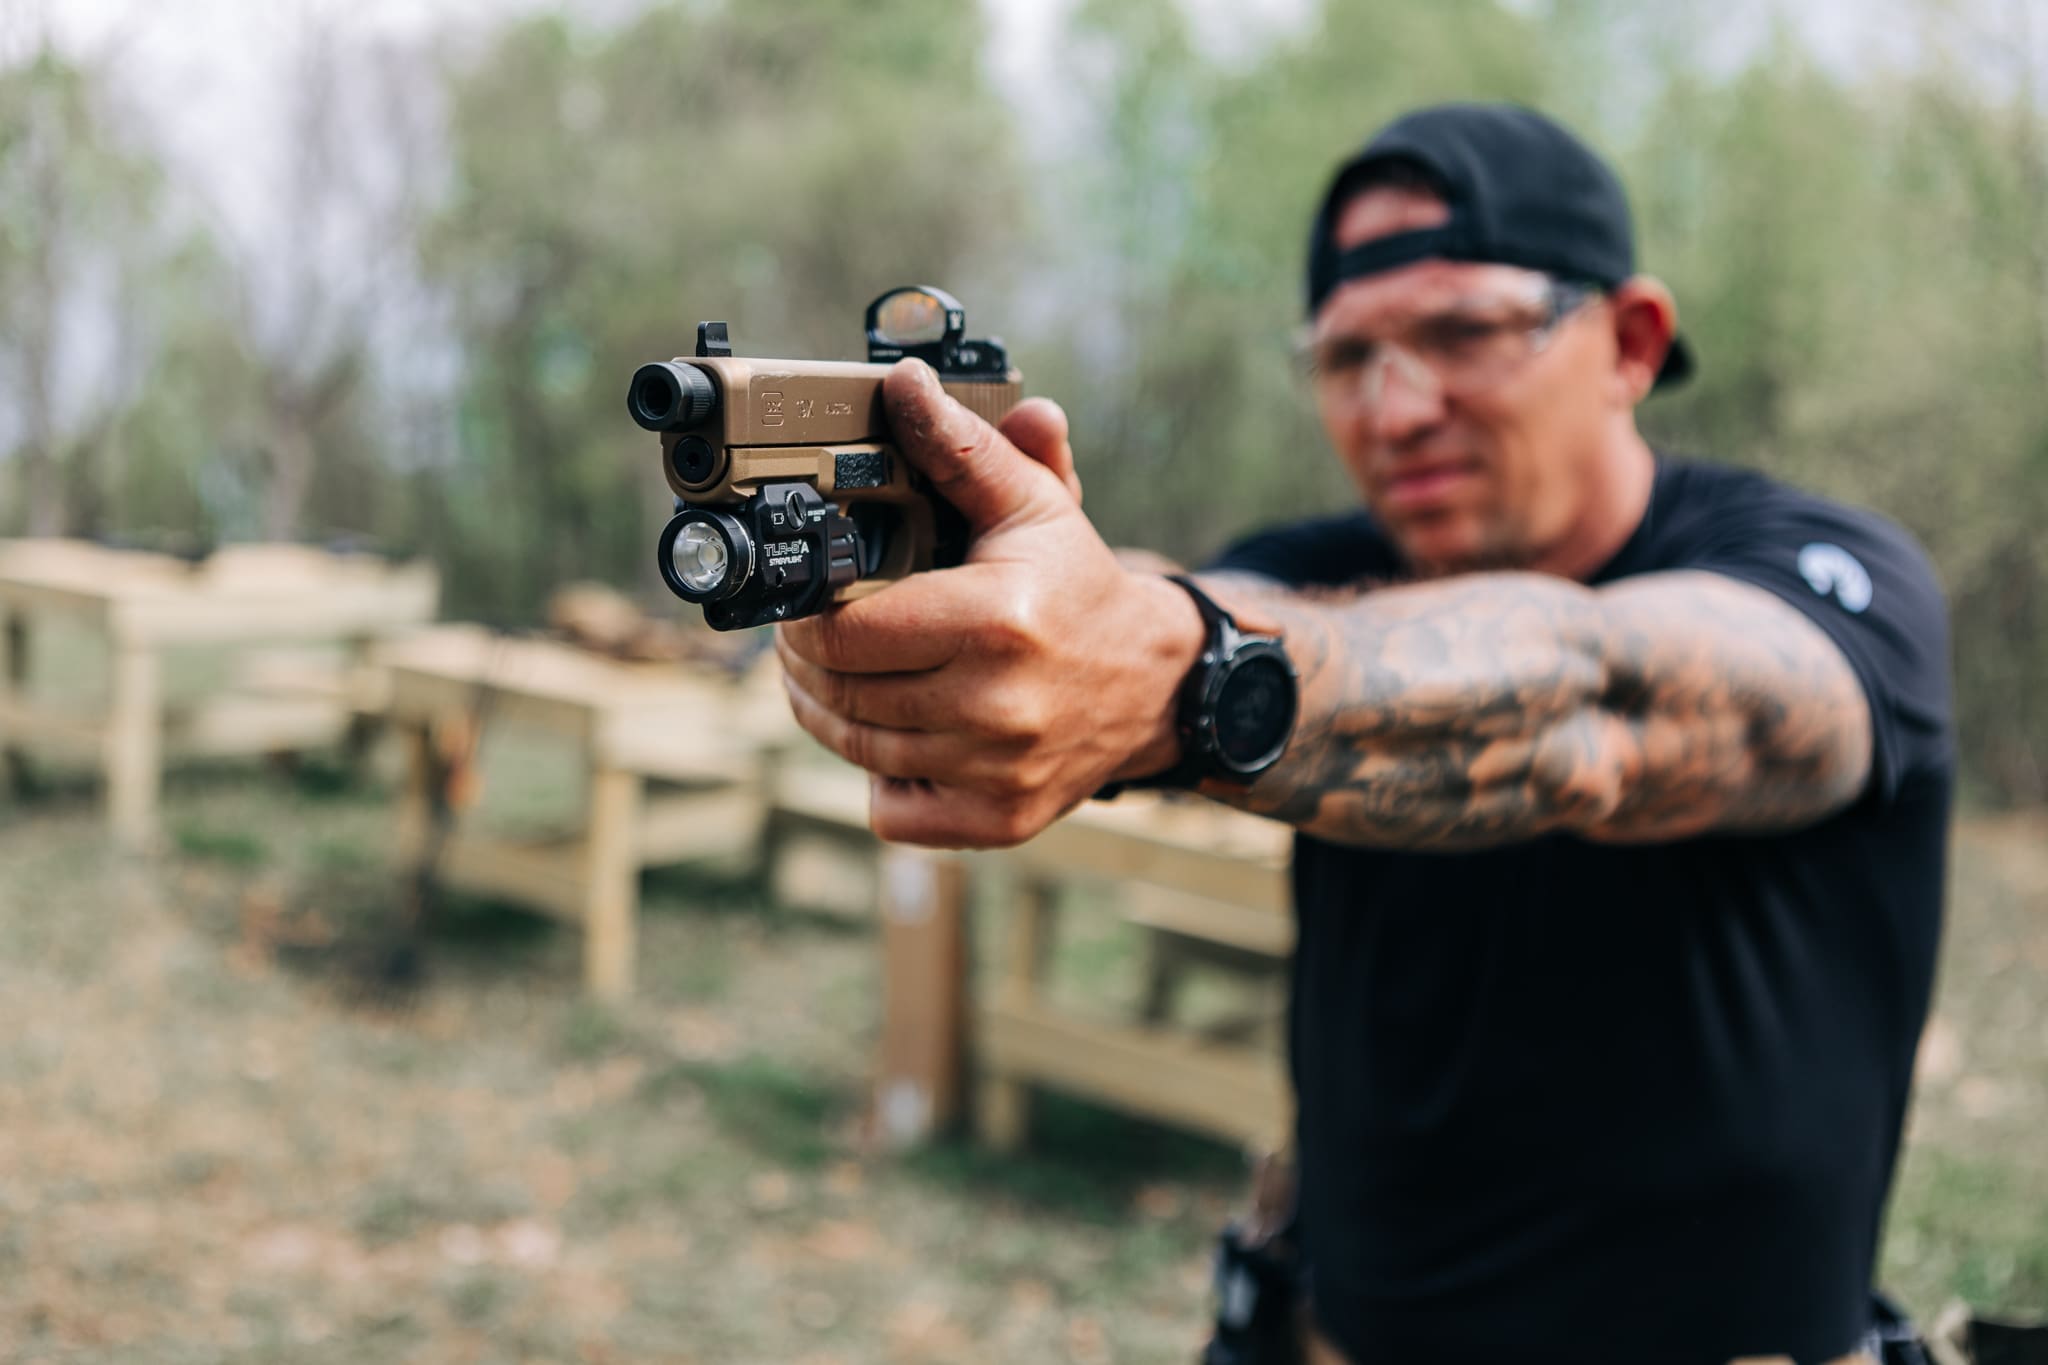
{"x":705,"y":555}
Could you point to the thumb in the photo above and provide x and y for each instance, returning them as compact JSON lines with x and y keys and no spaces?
{"x":970,"y":463}
{"x":1038,"y":427}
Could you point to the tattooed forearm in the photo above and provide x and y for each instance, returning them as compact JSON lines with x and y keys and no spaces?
{"x":1490,"y":708}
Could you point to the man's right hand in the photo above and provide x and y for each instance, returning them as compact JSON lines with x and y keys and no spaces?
{"x":989,"y":699}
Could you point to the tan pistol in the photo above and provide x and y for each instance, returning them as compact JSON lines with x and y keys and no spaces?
{"x":790,"y":494}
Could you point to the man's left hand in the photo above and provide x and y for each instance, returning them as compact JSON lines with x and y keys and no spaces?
{"x":989,"y":699}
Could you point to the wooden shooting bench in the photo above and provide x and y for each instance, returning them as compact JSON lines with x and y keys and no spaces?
{"x":136,"y":608}
{"x":671,"y":765}
{"x":1204,"y":883}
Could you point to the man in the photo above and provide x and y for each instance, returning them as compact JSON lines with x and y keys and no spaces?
{"x":1622,"y":782}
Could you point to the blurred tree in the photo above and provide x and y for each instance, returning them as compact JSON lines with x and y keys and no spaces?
{"x":1862,"y":262}
{"x":470,"y":256}
{"x":1216,"y":433}
{"x":1858,"y":265}
{"x":773,"y":164}
{"x":1127,"y":209}
{"x":317,"y":293}
{"x":76,"y":193}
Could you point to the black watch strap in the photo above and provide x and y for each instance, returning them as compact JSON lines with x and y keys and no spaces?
{"x":1218,"y":625}
{"x":1214,"y":618}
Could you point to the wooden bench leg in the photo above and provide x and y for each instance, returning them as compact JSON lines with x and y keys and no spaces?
{"x":1165,"y":968}
{"x":611,"y":882}
{"x":924,"y":995}
{"x":416,"y":798}
{"x":133,"y":745}
{"x":359,"y":737}
{"x":14,"y":685}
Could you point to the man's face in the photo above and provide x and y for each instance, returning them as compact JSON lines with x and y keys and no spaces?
{"x":1483,"y":456}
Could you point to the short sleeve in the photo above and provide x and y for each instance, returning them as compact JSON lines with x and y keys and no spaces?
{"x":1865,"y":582}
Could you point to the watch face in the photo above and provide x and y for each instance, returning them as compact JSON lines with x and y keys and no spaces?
{"x":1254,"y":711}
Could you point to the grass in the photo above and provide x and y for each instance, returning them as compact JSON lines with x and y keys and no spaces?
{"x":216,"y":1145}
{"x":1969,"y":1215}
{"x":224,"y":1150}
{"x":236,"y":848}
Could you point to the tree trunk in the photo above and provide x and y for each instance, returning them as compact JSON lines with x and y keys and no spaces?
{"x":291,"y":478}
{"x":44,"y":493}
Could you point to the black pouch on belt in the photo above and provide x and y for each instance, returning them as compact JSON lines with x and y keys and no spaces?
{"x":1258,"y":1319}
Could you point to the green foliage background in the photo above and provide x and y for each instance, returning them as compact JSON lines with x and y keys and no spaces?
{"x":1861,"y":259}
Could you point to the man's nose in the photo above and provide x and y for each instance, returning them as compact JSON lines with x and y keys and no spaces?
{"x":1409,"y":399}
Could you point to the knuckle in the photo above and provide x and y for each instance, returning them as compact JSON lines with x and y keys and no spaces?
{"x":1020,"y":717}
{"x":801,"y":639}
{"x":888,"y":824}
{"x":822,"y":639}
{"x":1013,"y":781}
{"x":1014,"y":824}
{"x":857,"y":746}
{"x":1014,"y":629}
{"x":836,"y":693}
{"x":1036,"y":775}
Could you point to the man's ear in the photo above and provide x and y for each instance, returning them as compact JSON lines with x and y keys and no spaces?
{"x":1645,"y":321}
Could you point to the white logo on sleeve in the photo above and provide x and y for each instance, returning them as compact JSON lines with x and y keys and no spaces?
{"x":1830,"y":569}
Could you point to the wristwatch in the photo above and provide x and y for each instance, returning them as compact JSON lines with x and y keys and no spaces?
{"x":1236,"y":707}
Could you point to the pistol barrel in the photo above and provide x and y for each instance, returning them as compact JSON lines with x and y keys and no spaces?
{"x":668,"y":396}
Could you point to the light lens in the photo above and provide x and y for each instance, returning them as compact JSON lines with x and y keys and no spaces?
{"x":702,"y":558}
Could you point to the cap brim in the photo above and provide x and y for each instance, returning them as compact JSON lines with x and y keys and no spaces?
{"x":1678,"y":366}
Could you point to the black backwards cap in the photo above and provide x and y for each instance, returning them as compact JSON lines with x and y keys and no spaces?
{"x":1521,"y":191}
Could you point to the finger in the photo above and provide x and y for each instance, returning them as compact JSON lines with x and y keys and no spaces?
{"x":940,"y":816}
{"x":969,"y":462}
{"x":1038,"y":427}
{"x":919,"y":624}
{"x":1001,"y":733}
{"x":899,"y":701}
{"x":888,"y":753}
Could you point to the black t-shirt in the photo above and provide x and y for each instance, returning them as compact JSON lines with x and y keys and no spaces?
{"x":1565,"y":1101}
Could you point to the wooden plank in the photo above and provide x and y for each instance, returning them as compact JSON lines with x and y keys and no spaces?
{"x":700,"y":748}
{"x":40,"y":725}
{"x":611,"y":874}
{"x":1129,"y":851}
{"x":85,"y":565}
{"x":708,"y":822}
{"x":817,"y":848}
{"x":1231,"y":1092}
{"x":1211,"y":920}
{"x":231,"y":725}
{"x":924,"y":995}
{"x":133,"y":745}
{"x":296,"y":671}
{"x":834,"y":796}
{"x":1033,"y":914}
{"x":217,"y":727}
{"x":677,"y":724}
{"x":547,"y":876}
{"x":1003,"y":1101}
{"x":647,"y":718}
{"x":75,"y":600}
{"x":823,"y":870}
{"x":1221,"y":854}
{"x":544,"y":668}
{"x":194,"y":615}
{"x":419,"y":694}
